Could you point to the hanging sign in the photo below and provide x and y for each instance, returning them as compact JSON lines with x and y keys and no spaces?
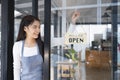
{"x":75,"y":39}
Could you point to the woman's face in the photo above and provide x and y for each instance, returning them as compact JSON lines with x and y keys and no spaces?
{"x":33,"y":30}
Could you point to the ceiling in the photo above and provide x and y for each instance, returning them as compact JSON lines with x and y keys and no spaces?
{"x":87,"y":8}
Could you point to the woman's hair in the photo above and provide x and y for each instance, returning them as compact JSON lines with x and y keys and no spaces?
{"x":25,"y":22}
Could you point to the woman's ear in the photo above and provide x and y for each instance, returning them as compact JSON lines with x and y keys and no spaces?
{"x":25,"y":28}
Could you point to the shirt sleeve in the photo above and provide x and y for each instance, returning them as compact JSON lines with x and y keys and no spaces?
{"x":16,"y":61}
{"x":71,"y":28}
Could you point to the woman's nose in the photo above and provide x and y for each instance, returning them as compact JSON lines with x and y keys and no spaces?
{"x":38,"y":30}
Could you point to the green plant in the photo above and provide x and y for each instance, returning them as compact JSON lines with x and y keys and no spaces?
{"x":72,"y":54}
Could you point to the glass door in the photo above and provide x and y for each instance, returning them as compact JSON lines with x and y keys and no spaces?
{"x":81,"y":45}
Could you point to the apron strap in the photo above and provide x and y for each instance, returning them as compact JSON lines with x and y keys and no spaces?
{"x":22,"y":48}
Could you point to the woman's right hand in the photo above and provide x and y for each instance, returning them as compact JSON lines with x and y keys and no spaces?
{"x":75,"y":16}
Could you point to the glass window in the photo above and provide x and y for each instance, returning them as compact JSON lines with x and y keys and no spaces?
{"x":80,"y":49}
{"x":0,"y":41}
{"x":79,"y":3}
{"x":118,"y":44}
{"x":106,"y":1}
{"x":22,"y":8}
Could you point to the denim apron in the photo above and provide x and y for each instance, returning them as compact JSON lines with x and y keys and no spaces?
{"x":31,"y":66}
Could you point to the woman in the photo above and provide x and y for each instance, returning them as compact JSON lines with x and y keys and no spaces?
{"x":28,"y":50}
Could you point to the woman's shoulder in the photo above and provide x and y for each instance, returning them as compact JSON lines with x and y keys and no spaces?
{"x":17,"y":46}
{"x":18,"y":43}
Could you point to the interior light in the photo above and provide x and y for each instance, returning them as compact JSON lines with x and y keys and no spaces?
{"x":17,"y":13}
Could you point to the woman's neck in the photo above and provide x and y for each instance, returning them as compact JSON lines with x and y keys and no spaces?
{"x":30,"y":42}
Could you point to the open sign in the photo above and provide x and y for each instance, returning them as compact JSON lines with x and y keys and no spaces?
{"x":73,"y":39}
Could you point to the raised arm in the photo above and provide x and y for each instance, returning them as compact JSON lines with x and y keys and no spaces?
{"x":74,"y":18}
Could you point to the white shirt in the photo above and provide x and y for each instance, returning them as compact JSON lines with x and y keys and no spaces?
{"x":75,"y":29}
{"x":17,"y":49}
{"x":72,"y":28}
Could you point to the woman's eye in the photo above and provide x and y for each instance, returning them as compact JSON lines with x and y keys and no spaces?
{"x":34,"y":27}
